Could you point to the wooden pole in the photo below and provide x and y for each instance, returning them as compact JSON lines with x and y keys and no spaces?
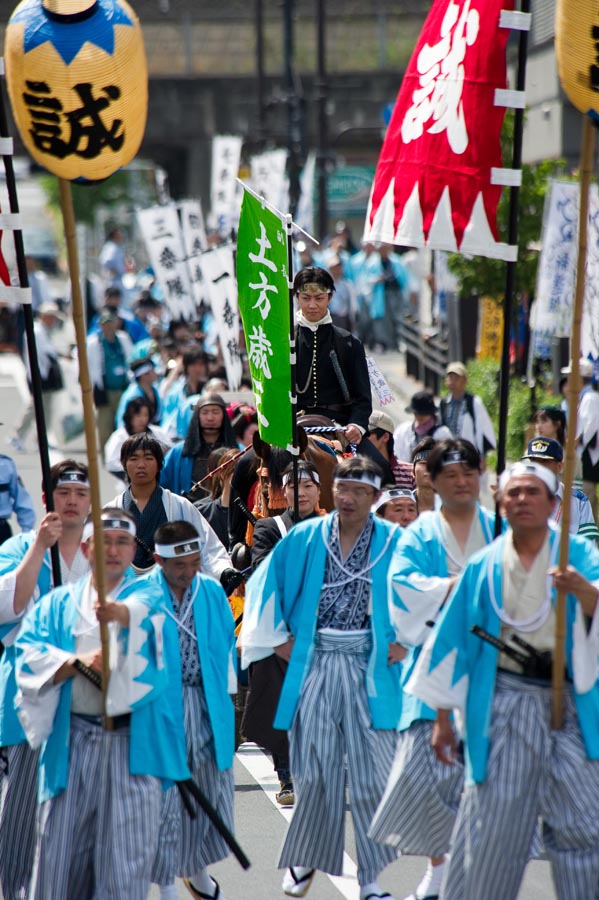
{"x":89,"y":421}
{"x":559,"y":654}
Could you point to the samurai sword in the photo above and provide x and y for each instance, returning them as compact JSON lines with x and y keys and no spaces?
{"x":188,"y":789}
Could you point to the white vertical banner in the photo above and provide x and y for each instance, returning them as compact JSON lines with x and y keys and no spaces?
{"x":304,"y":215}
{"x":162,"y":234}
{"x":218,"y":269}
{"x":226,"y":155}
{"x":269,"y":178}
{"x":195,"y":243}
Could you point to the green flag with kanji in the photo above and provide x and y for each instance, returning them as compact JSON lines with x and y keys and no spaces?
{"x":263,"y":290}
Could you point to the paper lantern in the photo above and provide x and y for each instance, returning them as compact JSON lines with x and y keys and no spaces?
{"x":78,"y":84}
{"x":577,"y":51}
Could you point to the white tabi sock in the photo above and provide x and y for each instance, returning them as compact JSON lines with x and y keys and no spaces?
{"x":202,"y":881}
{"x":430,"y":886}
{"x":168,"y":892}
{"x":373,"y":889}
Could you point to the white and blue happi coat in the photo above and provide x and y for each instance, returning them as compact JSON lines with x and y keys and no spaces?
{"x":417,"y":594}
{"x":458,"y":670}
{"x":282,"y":599}
{"x":142,"y":656}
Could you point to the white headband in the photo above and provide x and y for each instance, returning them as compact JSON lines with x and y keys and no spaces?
{"x":73,"y":477}
{"x":307,"y":476}
{"x":454,"y":457}
{"x":529,"y":468}
{"x":394,"y":494}
{"x":365,"y":478}
{"x":143,"y":370}
{"x":109,"y":523}
{"x":181,"y":548}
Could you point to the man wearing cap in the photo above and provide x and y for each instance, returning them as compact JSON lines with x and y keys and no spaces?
{"x":464,"y":413}
{"x":424,"y":424}
{"x":107,"y":353}
{"x":549,"y":453}
{"x":421,"y":799}
{"x":320,"y":600}
{"x":25,"y":576}
{"x":208,"y":659}
{"x":100,"y":790}
{"x":587,"y":431}
{"x":187,"y":462}
{"x":377,"y":444}
{"x":144,"y":385}
{"x":331,"y":372}
{"x":517,"y":767}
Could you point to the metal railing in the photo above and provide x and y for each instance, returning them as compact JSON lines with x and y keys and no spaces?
{"x":427,"y":354}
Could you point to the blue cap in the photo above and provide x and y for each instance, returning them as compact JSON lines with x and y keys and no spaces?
{"x":544,"y":448}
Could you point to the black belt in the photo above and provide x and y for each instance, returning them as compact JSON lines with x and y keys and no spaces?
{"x":542,"y":682}
{"x":118,"y":722}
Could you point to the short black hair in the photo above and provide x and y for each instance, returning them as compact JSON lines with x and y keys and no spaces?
{"x":132,"y":409}
{"x":144,"y":442}
{"x":470,"y":456}
{"x":423,"y":449}
{"x":173,"y":532}
{"x":193,"y":356}
{"x":303,"y":465}
{"x":357,"y":466}
{"x":313,"y":275}
{"x":67,"y":465}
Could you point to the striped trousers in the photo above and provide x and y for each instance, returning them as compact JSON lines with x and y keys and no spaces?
{"x":18,"y":806}
{"x":531,"y":772}
{"x":418,"y":809}
{"x":97,"y":839}
{"x":332,"y":725}
{"x":186,"y":845}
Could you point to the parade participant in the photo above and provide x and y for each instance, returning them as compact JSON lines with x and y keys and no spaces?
{"x":464,"y":413}
{"x":194,"y":366}
{"x":186,"y":462}
{"x":424,"y":424}
{"x":215,"y":507}
{"x":136,"y":420}
{"x":25,"y":576}
{"x":14,"y":498}
{"x":151,"y":506}
{"x":100,"y":790}
{"x":425,"y":495}
{"x":377,"y":444}
{"x":550,"y":422}
{"x":208,"y":659}
{"x":549,"y":453}
{"x":331,"y":371}
{"x":430,"y":556}
{"x":320,"y":601}
{"x":107,"y":352}
{"x":144,"y":385}
{"x":519,"y":767}
{"x":397,"y":505}
{"x":266,"y":675}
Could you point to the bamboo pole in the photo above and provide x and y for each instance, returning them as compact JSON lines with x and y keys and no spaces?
{"x":559,"y":654}
{"x":89,"y":422}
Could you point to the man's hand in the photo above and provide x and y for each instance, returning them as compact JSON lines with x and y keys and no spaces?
{"x":284,"y":650}
{"x":112,"y":612}
{"x":92,"y":659}
{"x":353,"y":434}
{"x":49,"y":531}
{"x":397,"y":652}
{"x":443,"y":738}
{"x":569,"y":581}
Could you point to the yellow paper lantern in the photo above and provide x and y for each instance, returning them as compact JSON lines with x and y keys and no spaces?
{"x":78,"y":84}
{"x":577,"y":51}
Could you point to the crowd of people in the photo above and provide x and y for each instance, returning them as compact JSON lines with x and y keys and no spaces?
{"x":393,"y":637}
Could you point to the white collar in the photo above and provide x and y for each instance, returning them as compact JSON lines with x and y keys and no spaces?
{"x":304,"y":323}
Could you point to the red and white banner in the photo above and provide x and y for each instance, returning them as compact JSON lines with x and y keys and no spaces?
{"x":439,"y":176}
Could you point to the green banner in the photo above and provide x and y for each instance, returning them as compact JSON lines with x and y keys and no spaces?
{"x":262,"y":283}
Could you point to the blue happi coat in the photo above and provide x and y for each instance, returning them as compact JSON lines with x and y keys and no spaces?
{"x":142,"y":656}
{"x":282,"y":599}
{"x":457,"y":669}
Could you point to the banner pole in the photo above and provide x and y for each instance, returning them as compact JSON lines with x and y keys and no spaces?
{"x":292,"y":359}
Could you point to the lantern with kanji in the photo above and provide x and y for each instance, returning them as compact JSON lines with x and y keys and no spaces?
{"x":577,"y":51}
{"x":78,"y":84}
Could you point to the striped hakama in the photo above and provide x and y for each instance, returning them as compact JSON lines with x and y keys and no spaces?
{"x":98,"y":837}
{"x":18,"y":806}
{"x":418,"y":809}
{"x":186,"y":845}
{"x":531,"y":771}
{"x":332,"y":725}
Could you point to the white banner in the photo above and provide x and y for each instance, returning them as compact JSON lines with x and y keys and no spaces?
{"x":556,"y":276}
{"x":219,"y":277}
{"x":226,"y":154}
{"x":195,"y":243}
{"x":161,"y":232}
{"x":378,"y":383}
{"x":269,"y":178}
{"x":304,"y":215}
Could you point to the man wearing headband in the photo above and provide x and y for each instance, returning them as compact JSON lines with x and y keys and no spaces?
{"x":100,"y":790}
{"x":320,"y":600}
{"x":143,"y":385}
{"x":397,"y":505}
{"x":518,"y":768}
{"x":331,"y":372}
{"x":265,"y":690}
{"x":198,"y":607}
{"x":429,"y":558}
{"x":25,"y":576}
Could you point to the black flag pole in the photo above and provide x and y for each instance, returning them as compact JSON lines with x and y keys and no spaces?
{"x":35,"y":377}
{"x":292,"y":358}
{"x":510,"y":277}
